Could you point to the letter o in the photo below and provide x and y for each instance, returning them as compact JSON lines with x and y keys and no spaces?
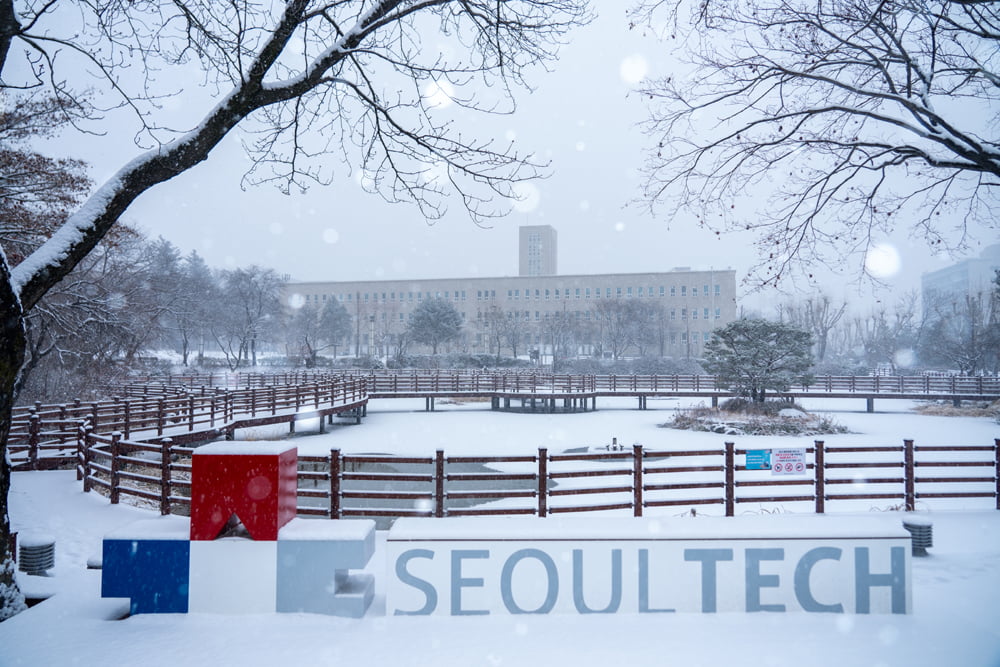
{"x":552,"y":592}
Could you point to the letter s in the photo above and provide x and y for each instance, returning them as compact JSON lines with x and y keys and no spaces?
{"x":430,"y":594}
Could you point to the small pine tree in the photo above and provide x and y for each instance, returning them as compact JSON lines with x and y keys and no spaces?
{"x":753,"y":356}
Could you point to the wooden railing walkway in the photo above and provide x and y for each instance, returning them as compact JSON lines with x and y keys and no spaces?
{"x":199,"y":407}
{"x":631,"y":480}
{"x":45,"y":435}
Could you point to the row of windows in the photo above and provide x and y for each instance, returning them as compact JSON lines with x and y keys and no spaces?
{"x":528,"y":294}
{"x":673,"y":338}
{"x":586,"y":314}
{"x":586,"y":293}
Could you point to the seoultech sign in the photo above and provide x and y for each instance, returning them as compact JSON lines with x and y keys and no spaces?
{"x":468,"y":567}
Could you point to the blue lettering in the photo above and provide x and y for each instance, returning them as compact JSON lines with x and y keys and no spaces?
{"x":864,"y":580}
{"x":616,"y":583}
{"x":458,"y":582}
{"x":803,"y":570}
{"x":430,"y":595}
{"x":551,"y":573}
{"x":756,"y":581}
{"x":708,"y":558}
{"x":644,"y":584}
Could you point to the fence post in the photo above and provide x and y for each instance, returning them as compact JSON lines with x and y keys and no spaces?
{"x":34,"y":427}
{"x":334,"y":483}
{"x":115,"y":466}
{"x":637,"y":479}
{"x":996,"y":452}
{"x":159,"y":416}
{"x":543,"y":481}
{"x":819,"y":463}
{"x":88,"y":442}
{"x":908,"y":475}
{"x":439,"y":484}
{"x":190,"y":412}
{"x":165,"y":478}
{"x":127,"y":406}
{"x":730,"y":479}
{"x":81,"y":449}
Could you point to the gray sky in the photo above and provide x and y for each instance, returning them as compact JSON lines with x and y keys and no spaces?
{"x":582,"y":117}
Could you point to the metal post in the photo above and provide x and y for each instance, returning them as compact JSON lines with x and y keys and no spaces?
{"x":908,"y":475}
{"x":335,"y":468}
{"x":730,"y":479}
{"x":637,"y":479}
{"x":819,"y":463}
{"x":165,"y":485}
{"x":439,"y":510}
{"x":115,"y":466}
{"x":543,"y":481}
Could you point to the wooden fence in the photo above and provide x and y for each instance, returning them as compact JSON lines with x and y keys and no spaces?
{"x":632,"y":479}
{"x":473,"y":380}
{"x":45,"y":435}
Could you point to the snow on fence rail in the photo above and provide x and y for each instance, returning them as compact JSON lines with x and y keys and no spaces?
{"x":475,"y":380}
{"x":633,"y":480}
{"x":45,"y":436}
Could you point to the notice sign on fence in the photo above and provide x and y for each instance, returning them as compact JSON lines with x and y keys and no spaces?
{"x":788,"y":461}
{"x":758,"y":459}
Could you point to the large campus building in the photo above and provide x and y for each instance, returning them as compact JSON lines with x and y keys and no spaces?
{"x":682,"y":306}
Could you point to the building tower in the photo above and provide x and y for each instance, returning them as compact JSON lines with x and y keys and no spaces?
{"x":537,"y":250}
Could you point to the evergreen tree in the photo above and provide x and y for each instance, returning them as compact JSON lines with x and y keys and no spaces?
{"x":434,"y":322}
{"x":753,"y":356}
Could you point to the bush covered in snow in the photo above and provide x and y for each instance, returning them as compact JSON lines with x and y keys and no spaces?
{"x":744,"y":417}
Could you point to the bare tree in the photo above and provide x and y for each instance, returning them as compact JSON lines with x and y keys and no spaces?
{"x":858,"y":116}
{"x":962,"y":332}
{"x":342,"y":77}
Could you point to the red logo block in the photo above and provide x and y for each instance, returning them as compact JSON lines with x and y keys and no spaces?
{"x":257,"y":482}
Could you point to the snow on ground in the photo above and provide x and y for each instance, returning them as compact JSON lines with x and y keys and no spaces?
{"x":955,"y":589}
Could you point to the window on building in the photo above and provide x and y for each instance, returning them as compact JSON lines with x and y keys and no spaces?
{"x":673,"y":291}
{"x":704,"y":291}
{"x":718,"y":313}
{"x":640,"y":293}
{"x":557,"y":292}
{"x":705,"y":314}
{"x":684,"y":313}
{"x":607,"y":293}
{"x":546,"y":295}
{"x":684,"y":290}
{"x":587,"y":293}
{"x":618,"y":292}
{"x":673,"y":314}
{"x":694,"y":313}
{"x":629,"y":292}
{"x":718,"y":290}
{"x":577,"y":292}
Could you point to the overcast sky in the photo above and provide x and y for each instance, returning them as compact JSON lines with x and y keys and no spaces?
{"x":582,"y":116}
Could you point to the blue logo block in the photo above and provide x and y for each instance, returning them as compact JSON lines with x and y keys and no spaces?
{"x":153,"y":573}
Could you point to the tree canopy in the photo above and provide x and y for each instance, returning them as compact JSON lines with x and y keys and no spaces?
{"x":856,"y":117}
{"x":434,"y":322}
{"x":315,"y":81}
{"x":754,"y":356}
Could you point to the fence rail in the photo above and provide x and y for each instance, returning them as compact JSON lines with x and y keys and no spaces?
{"x":470,"y":380}
{"x":189,"y":407}
{"x":633,"y":480}
{"x":46,"y":435}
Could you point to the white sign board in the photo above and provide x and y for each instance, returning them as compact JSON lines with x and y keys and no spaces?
{"x":472,"y":567}
{"x":788,"y":461}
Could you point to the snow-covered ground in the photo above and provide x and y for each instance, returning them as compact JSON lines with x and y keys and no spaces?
{"x":955,"y":620}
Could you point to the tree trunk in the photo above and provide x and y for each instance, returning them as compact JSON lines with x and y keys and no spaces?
{"x":12,"y":346}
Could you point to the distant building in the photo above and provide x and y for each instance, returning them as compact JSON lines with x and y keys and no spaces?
{"x":537,"y":250}
{"x":682,"y":307}
{"x":969,"y":277}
